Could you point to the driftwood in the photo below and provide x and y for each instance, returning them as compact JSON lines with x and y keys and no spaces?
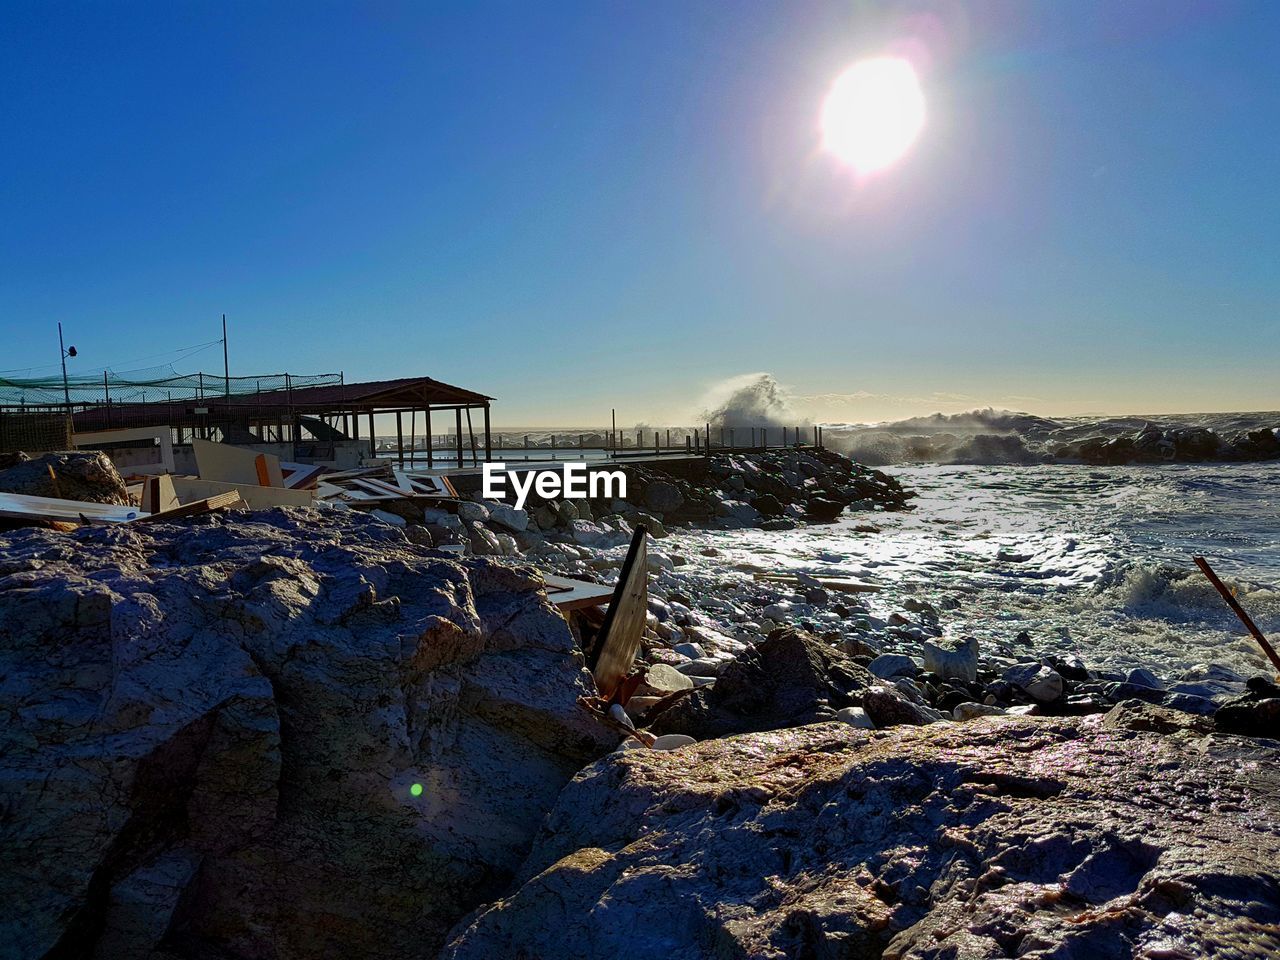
{"x":1239,"y":611}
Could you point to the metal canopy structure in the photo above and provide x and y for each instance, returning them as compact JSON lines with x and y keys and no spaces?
{"x":275,"y":408}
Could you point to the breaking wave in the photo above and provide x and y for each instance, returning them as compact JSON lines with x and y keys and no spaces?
{"x":1006,"y":437}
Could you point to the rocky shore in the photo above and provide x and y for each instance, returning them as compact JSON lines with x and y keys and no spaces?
{"x":297,"y":734}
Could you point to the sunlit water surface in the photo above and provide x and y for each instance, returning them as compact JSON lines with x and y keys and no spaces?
{"x":1093,"y":561}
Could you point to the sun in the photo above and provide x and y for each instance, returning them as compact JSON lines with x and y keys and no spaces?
{"x":873,"y":114}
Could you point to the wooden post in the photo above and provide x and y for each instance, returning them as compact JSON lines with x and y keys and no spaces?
{"x":668,"y":437}
{"x":431,"y":441}
{"x":1239,"y":611}
{"x":488,"y":439}
{"x":688,"y":443}
{"x":457,"y":426}
{"x":399,"y":438}
{"x":373,"y":437}
{"x":471,"y":437}
{"x":731,"y":436}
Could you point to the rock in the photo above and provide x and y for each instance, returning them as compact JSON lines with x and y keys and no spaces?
{"x":702,"y":667}
{"x":787,"y":679}
{"x":959,"y":661}
{"x":390,"y":518}
{"x":890,"y":665}
{"x":1144,"y":678}
{"x":1115,"y":692}
{"x":672,"y":741}
{"x":662,"y":496}
{"x":768,"y":505}
{"x":970,"y":711}
{"x":546,"y":517}
{"x":220,"y":756}
{"x":1147,"y":717}
{"x":855,"y":717}
{"x":823,"y":509}
{"x":661,"y":679}
{"x":483,"y":542}
{"x":1041,"y":683}
{"x":509,"y":517}
{"x":1049,"y":838}
{"x":694,"y":651}
{"x":1255,"y":713}
{"x":473,"y":511}
{"x":651,"y":523}
{"x":890,"y":707}
{"x":80,"y":475}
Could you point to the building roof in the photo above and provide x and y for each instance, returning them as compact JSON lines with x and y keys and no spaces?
{"x":367,"y":397}
{"x":404,"y":392}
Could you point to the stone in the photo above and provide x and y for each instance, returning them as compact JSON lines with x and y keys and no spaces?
{"x":890,"y":707}
{"x":890,"y":665}
{"x":508,"y":516}
{"x":787,"y":679}
{"x":823,"y":509}
{"x":81,"y":475}
{"x":221,"y":755}
{"x":1255,"y":713}
{"x":663,"y":496}
{"x":959,"y":661}
{"x":672,"y":741}
{"x":1041,"y":683}
{"x":1144,"y":678}
{"x":855,"y":717}
{"x":1051,"y":837}
{"x":971,"y":711}
{"x":767,"y":505}
{"x":482,"y":541}
{"x":702,"y":667}
{"x":694,"y":651}
{"x":473,"y":511}
{"x":661,"y":679}
{"x":1148,"y":717}
{"x":390,"y":518}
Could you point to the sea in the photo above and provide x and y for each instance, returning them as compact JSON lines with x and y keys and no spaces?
{"x":1095,"y":562}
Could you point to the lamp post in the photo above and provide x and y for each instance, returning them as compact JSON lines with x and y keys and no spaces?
{"x":66,"y":352}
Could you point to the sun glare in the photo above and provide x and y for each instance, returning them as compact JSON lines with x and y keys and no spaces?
{"x":873,"y":114}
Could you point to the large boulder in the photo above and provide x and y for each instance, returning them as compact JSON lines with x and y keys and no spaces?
{"x":996,"y":838}
{"x":286,"y":736}
{"x":73,"y":475}
{"x":788,"y":679}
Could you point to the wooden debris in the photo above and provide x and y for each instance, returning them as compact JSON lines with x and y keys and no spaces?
{"x":568,"y":594}
{"x":255,"y":497}
{"x":208,"y":505}
{"x":21,"y":506}
{"x":624,"y":620}
{"x":227,"y":464}
{"x":1239,"y":611}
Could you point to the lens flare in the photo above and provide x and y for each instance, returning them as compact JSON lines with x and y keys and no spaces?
{"x":416,"y":790}
{"x":873,"y":114}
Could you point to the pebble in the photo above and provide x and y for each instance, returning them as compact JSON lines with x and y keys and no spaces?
{"x":855,"y":717}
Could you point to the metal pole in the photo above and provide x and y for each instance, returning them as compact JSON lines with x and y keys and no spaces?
{"x":226,"y":367}
{"x":62,"y":351}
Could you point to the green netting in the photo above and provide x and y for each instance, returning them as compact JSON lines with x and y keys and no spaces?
{"x":155,"y":384}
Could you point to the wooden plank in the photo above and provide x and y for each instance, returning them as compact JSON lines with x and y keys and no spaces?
{"x":190,"y":489}
{"x":219,"y":502}
{"x":264,"y":475}
{"x":158,"y":494}
{"x":426,"y":484}
{"x":624,"y":620}
{"x":21,"y":506}
{"x":227,"y":464}
{"x":301,"y":476}
{"x":568,"y":594}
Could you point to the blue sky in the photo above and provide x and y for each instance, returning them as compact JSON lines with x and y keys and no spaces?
{"x":575,"y":207}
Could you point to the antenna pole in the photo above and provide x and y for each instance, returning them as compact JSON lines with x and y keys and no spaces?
{"x":66,"y":390}
{"x":226,"y":367}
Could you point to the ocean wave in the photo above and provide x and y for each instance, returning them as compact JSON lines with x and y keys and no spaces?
{"x":1001,"y":437}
